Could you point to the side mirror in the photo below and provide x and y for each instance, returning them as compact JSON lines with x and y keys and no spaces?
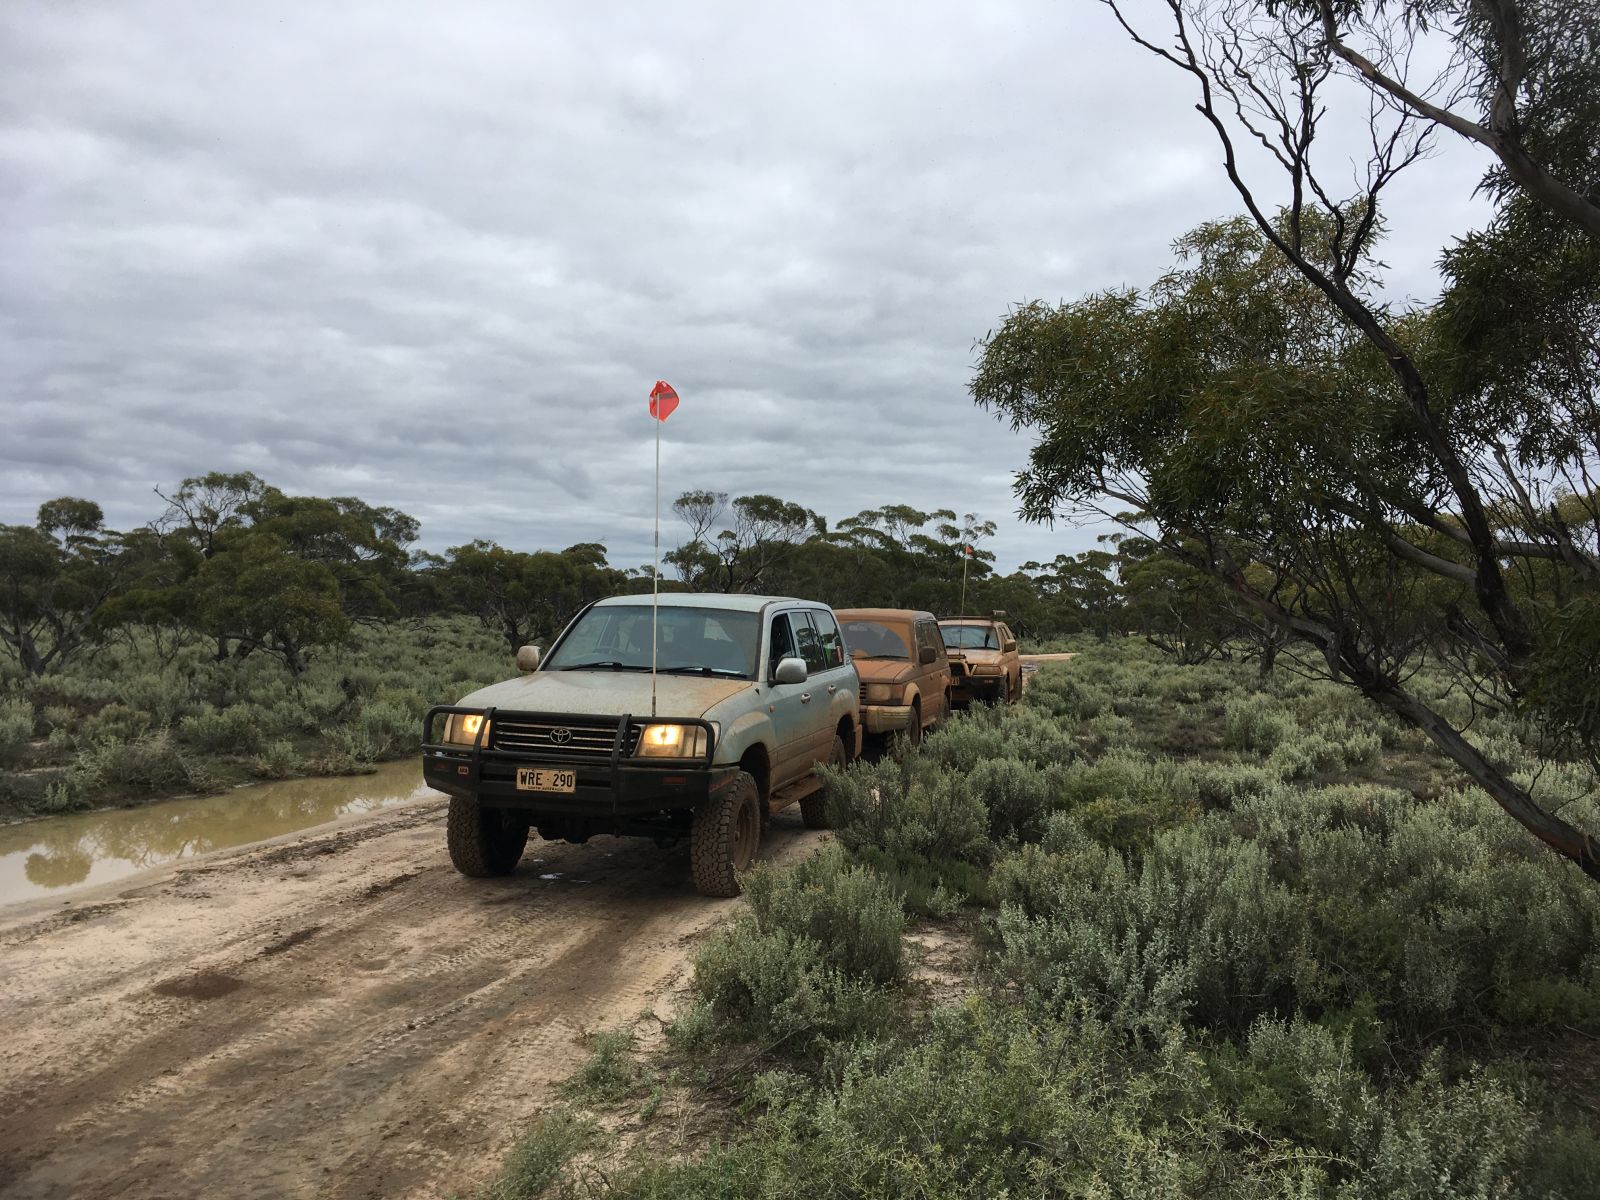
{"x":1009,"y":647}
{"x":790,"y":670}
{"x":527,"y":658}
{"x":928,"y":655}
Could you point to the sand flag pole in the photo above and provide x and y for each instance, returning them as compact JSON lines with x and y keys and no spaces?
{"x":663,"y":400}
{"x":966,"y":558}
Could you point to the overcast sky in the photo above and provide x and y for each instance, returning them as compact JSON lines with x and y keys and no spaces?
{"x":435,"y":255}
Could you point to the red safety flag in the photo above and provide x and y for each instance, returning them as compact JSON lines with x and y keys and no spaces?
{"x":663,"y":400}
{"x":969,"y":551}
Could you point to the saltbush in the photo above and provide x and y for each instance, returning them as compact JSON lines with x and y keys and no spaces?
{"x":153,"y":763}
{"x":279,"y":760}
{"x":813,"y":957}
{"x":16,"y":729}
{"x":237,"y":729}
{"x":910,"y":809}
{"x":1256,"y":724}
{"x":1197,"y":931}
{"x":1017,"y":795}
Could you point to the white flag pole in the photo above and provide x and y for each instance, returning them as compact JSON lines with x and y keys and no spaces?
{"x":966,"y":558}
{"x":655,"y":579}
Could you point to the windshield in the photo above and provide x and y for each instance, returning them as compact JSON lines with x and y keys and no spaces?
{"x":690,"y":641}
{"x":873,"y":639}
{"x":970,"y":637}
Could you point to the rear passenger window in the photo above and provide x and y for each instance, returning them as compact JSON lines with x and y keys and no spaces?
{"x":928,"y":635}
{"x":832,"y":642}
{"x":810,"y":642}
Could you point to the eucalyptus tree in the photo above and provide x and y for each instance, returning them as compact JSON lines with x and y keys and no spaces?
{"x":57,"y":578}
{"x":1383,"y":483}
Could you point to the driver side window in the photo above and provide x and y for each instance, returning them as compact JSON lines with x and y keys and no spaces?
{"x":782,"y":643}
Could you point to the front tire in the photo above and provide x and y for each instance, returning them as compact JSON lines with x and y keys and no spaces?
{"x":483,"y":842}
{"x":814,"y":808}
{"x":726,"y":837}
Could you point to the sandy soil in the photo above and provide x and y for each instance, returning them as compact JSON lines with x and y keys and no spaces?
{"x":337,"y":1014}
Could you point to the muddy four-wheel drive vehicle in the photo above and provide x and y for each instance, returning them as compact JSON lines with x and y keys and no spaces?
{"x":905,"y":673}
{"x":750,"y":694}
{"x":984,"y":664}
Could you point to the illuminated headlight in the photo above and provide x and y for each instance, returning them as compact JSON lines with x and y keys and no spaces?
{"x":672,"y":741}
{"x":461,"y":729}
{"x":882,"y":693}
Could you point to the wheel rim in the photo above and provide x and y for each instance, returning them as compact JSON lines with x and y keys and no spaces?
{"x":746,"y":829}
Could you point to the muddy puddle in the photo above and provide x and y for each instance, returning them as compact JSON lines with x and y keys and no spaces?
{"x":49,"y":856}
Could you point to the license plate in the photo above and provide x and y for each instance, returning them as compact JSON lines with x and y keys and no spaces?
{"x":546,"y":779}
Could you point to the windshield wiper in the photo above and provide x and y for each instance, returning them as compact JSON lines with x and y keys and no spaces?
{"x":688,"y":670}
{"x":604,"y":666}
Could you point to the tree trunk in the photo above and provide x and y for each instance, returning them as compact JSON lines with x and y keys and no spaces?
{"x":1548,"y":828}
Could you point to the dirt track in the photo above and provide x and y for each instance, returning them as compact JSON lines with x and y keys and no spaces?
{"x":340,"y":1014}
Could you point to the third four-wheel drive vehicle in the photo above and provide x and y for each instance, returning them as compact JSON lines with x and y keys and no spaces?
{"x":984,"y":664}
{"x":751,"y":694}
{"x":905,"y":674}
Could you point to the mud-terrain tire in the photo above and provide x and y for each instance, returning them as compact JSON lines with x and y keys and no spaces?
{"x":814,"y":808}
{"x":483,"y":842}
{"x":914,"y":726}
{"x":726,"y":837}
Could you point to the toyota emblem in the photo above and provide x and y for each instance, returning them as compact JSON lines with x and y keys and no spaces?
{"x":560,"y":736}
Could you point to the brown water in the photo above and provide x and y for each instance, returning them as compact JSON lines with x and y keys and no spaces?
{"x":45,"y":857}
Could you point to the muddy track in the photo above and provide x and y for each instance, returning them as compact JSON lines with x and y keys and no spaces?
{"x":338,"y":1015}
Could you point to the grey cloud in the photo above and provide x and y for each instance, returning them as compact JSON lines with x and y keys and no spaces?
{"x":435,"y":257}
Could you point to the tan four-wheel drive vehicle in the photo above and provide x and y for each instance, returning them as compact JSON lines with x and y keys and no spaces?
{"x":984,"y":663}
{"x":751,"y":693}
{"x":905,"y":673}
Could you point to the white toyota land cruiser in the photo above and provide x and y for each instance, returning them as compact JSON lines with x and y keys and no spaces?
{"x":748,"y":695}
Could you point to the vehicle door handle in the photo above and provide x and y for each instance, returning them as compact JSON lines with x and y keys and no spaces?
{"x":832,"y":688}
{"x":805,"y":697}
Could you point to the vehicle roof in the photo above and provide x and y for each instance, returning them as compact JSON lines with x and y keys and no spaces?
{"x":727,"y":601}
{"x":883,"y":614}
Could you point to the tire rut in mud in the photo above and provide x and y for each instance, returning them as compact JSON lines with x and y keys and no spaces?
{"x":370,"y":1024}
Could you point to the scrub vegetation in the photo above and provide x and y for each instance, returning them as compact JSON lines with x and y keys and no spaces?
{"x":1224,"y":937}
{"x":246,"y":633}
{"x":140,"y":720}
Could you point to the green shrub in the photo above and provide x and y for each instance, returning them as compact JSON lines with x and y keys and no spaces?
{"x":1441,"y":912}
{"x":1302,"y":1082}
{"x":846,"y":910}
{"x":1198,"y":932}
{"x":1256,"y":723}
{"x":913,"y":810}
{"x":931,"y":888}
{"x":813,"y":957}
{"x":151,"y":763}
{"x":280,"y":760}
{"x":610,"y":1073}
{"x":16,"y":729}
{"x":387,"y":727}
{"x":238,"y":729}
{"x":114,"y":722}
{"x":1469,"y":1138}
{"x":1125,"y":797}
{"x":1220,"y":785}
{"x":1017,"y":795}
{"x":536,"y":1162}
